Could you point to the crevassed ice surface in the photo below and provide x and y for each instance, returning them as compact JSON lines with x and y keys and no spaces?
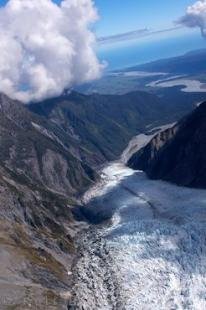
{"x":153,"y":253}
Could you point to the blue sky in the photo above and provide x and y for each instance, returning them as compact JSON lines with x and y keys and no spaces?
{"x":119,"y":16}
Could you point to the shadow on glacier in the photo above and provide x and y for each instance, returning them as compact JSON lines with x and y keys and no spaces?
{"x":103,"y":207}
{"x":167,"y":220}
{"x":136,"y":198}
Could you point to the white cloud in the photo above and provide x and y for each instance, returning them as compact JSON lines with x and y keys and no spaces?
{"x":46,"y":48}
{"x":195,"y":16}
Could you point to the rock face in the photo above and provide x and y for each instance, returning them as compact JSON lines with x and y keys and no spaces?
{"x":38,"y":151}
{"x":104,"y":124}
{"x":36,"y":247}
{"x":178,"y":154}
{"x":41,"y":173}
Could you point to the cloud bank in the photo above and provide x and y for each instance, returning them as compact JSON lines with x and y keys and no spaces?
{"x":195,"y":16}
{"x":46,"y":48}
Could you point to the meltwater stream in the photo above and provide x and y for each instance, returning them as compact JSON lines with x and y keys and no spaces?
{"x":151,"y":255}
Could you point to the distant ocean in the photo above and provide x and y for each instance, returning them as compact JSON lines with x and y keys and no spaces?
{"x":121,"y":55}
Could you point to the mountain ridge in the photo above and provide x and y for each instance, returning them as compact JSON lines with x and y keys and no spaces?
{"x":105,"y":123}
{"x":178,"y":154}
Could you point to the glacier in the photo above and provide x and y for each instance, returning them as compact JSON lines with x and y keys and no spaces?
{"x":151,"y":254}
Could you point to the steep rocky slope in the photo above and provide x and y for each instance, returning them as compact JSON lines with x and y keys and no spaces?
{"x":40,"y":152}
{"x":36,"y":247}
{"x":177,"y":154}
{"x":41,"y":174}
{"x":104,"y":124}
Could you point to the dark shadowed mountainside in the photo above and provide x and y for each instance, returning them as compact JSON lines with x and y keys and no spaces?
{"x":178,"y":154}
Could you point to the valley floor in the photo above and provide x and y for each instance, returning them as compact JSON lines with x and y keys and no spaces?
{"x":151,"y":255}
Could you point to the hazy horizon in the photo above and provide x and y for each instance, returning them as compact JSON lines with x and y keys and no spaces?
{"x":135,"y":52}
